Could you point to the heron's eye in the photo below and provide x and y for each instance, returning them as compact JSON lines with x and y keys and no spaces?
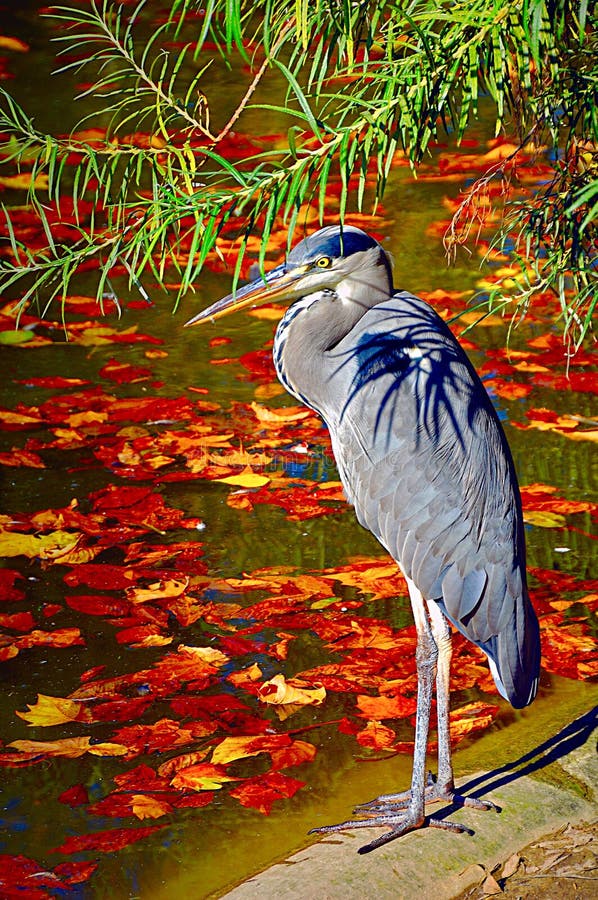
{"x":324,"y":262}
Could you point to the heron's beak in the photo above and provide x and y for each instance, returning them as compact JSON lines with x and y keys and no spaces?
{"x":279,"y":284}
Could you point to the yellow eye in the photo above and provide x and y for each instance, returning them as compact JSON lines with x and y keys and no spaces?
{"x":324,"y":262}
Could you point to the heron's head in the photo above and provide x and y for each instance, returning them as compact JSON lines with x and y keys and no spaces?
{"x":345,"y":261}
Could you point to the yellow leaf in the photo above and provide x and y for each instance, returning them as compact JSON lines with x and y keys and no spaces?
{"x":8,"y":417}
{"x":247,"y":479}
{"x":23,"y":181}
{"x":75,"y":555}
{"x":591,"y":434}
{"x":477,"y":317}
{"x":544,"y":518}
{"x":44,"y":546}
{"x":160,"y":590}
{"x":206,"y":654}
{"x":145,"y":807}
{"x":52,"y":711}
{"x":157,"y":462}
{"x":70,"y":748}
{"x":98,"y":335}
{"x":89,"y":417}
{"x":241,"y":458}
{"x":108,"y":749}
{"x":12,"y":43}
{"x":280,"y":416}
{"x":267,"y":391}
{"x":279,"y":691}
{"x":153,"y":640}
{"x":531,"y":367}
{"x":231,"y":748}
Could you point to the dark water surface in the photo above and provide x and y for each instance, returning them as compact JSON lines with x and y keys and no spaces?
{"x":201,"y":852}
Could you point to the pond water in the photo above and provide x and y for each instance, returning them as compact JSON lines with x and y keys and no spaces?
{"x":204,"y":851}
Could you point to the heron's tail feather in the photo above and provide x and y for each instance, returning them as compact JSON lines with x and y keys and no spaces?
{"x":514,"y":655}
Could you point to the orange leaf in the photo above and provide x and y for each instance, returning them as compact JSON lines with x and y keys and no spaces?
{"x":386,"y":707}
{"x":376,"y":736}
{"x":299,"y":752}
{"x":184,"y":761}
{"x":201,"y":777}
{"x":12,"y":43}
{"x":249,"y":675}
{"x":61,"y":637}
{"x":232,"y":748}
{"x":20,"y":458}
{"x":146,"y":807}
{"x":471,"y":717}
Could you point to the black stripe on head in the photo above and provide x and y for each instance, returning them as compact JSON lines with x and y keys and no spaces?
{"x":332,"y":241}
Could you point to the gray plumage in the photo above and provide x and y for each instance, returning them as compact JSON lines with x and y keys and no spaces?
{"x":423,"y":459}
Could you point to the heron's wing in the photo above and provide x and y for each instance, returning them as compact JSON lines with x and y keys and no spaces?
{"x":424,"y":460}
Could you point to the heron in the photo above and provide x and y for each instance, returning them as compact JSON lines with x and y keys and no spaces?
{"x":424,"y":461}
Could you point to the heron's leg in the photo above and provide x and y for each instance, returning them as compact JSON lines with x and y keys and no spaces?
{"x":443,"y":788}
{"x":442,"y":636}
{"x":409,"y":813}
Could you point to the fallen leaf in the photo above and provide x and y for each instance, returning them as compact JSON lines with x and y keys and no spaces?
{"x":147,"y":807}
{"x":12,"y":43}
{"x":53,"y":711}
{"x":162,"y":590}
{"x":232,"y":748}
{"x":491,"y":886}
{"x":247,"y":479}
{"x":511,"y":866}
{"x":105,"y":841}
{"x":24,"y":181}
{"x":376,"y":708}
{"x":278,"y":691}
{"x":544,"y":519}
{"x":262,"y":793}
{"x":201,"y":777}
{"x":71,"y":748}
{"x":45,"y":546}
{"x":376,"y":736}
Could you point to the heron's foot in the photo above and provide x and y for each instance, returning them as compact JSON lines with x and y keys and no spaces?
{"x":400,"y":823}
{"x":434,"y":793}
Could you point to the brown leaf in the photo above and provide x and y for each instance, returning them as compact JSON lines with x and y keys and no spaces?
{"x":491,"y":886}
{"x":511,"y":866}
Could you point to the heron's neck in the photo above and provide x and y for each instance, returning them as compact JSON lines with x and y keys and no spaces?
{"x":310,"y":328}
